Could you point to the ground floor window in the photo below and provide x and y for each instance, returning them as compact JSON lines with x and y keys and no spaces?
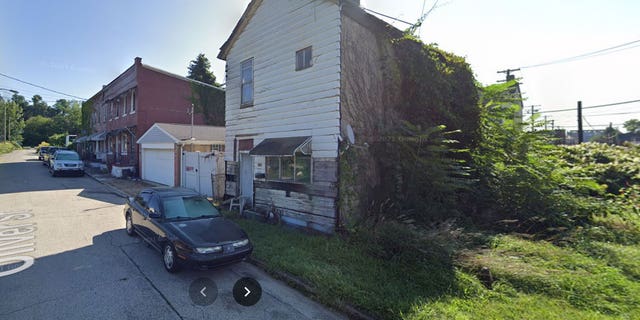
{"x":289,"y":168}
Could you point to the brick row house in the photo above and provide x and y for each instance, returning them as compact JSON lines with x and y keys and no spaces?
{"x":123,"y":110}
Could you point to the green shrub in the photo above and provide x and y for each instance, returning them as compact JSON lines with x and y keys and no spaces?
{"x":6,"y":147}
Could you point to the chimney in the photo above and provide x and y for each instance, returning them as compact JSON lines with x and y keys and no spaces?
{"x":137,"y":61}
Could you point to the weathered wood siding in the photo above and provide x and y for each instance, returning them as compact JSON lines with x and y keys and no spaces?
{"x":307,"y":205}
{"x":287,"y":102}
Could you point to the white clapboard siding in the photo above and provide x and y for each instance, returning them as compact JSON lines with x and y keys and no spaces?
{"x":287,"y":102}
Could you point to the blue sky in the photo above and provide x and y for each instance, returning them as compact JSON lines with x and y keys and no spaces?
{"x":76,"y":46}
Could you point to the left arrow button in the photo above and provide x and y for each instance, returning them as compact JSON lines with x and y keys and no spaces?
{"x":203,"y":291}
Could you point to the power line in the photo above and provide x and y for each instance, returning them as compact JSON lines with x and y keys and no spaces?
{"x":41,"y":87}
{"x":585,"y":55}
{"x":589,"y":124}
{"x":613,"y":114}
{"x":596,"y":106}
{"x":595,"y":125}
{"x":386,"y":16}
{"x":28,"y":94}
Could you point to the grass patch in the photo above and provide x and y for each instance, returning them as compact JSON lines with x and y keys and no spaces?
{"x":532,"y":279}
{"x":502,"y":306}
{"x":6,"y":147}
{"x":585,"y":282}
{"x":342,"y":272}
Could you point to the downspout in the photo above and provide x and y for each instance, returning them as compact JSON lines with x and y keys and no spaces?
{"x":338,"y":216}
{"x":182,"y":166}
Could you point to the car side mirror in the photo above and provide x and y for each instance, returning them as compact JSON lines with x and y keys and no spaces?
{"x":153,"y":214}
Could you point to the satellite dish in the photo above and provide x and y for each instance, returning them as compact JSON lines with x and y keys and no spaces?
{"x":350,"y":136}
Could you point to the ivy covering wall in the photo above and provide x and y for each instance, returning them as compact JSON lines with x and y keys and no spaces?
{"x":414,"y":116}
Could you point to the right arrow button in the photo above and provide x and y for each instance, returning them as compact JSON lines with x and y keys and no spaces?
{"x":247,"y":291}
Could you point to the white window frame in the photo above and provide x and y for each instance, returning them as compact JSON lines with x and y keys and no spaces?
{"x":303,"y":56}
{"x":133,"y":101}
{"x":124,"y":104}
{"x":245,"y":64}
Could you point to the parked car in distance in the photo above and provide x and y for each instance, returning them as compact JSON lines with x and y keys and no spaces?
{"x":47,"y":155}
{"x":43,"y":150}
{"x":186,"y":228}
{"x":66,"y":162}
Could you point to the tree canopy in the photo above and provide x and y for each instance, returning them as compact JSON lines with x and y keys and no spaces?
{"x":632,"y":125}
{"x":32,"y":123}
{"x":207,"y":100}
{"x":200,"y":70}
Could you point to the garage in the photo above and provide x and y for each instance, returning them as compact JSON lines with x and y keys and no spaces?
{"x":163,"y":147}
{"x":157,"y":165}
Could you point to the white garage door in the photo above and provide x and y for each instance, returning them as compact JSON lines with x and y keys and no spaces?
{"x":158,"y":166}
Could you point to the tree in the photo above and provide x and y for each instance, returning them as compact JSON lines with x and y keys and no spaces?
{"x":38,"y":108}
{"x":20,"y":101}
{"x":37,"y":129}
{"x":632,"y":125}
{"x":14,"y":121}
{"x":609,"y":136}
{"x":206,"y":96}
{"x":200,"y":70}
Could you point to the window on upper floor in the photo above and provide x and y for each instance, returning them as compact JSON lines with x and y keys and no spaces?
{"x":124,"y":104}
{"x":133,"y":100}
{"x":303,"y":58}
{"x":246,"y":87}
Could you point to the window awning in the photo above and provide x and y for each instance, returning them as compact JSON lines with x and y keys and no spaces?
{"x":98,"y":136}
{"x":282,"y":146}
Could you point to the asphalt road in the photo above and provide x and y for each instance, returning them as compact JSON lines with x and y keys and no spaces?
{"x":86,"y":267}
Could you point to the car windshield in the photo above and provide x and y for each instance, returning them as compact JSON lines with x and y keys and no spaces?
{"x":190,"y":207}
{"x":67,"y":156}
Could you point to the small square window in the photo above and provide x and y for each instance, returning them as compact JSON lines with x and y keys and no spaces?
{"x":303,"y":58}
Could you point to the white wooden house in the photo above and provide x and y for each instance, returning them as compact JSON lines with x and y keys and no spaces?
{"x":295,"y":73}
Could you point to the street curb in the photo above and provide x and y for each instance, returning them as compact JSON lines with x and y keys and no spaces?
{"x":308,"y":290}
{"x":115,"y":190}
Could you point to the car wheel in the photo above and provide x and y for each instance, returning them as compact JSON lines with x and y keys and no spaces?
{"x":53,"y":172}
{"x":129,"y":225}
{"x":170,"y":259}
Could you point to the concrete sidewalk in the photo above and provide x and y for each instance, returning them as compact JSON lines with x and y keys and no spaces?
{"x":124,"y":187}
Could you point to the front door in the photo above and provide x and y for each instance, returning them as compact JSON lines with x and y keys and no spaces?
{"x":246,"y":177}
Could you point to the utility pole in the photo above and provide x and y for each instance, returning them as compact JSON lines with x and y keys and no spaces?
{"x":4,"y":123}
{"x":509,"y":76}
{"x":533,"y":112}
{"x":191,"y":112}
{"x":545,"y":123}
{"x":580,"y":133}
{"x":552,"y":127}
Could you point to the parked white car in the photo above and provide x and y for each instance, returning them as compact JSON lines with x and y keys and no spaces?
{"x":65,"y":162}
